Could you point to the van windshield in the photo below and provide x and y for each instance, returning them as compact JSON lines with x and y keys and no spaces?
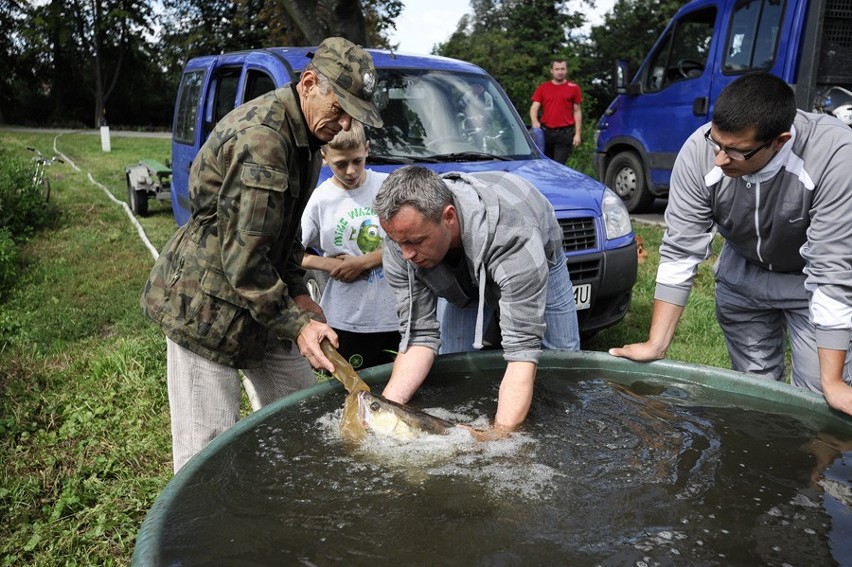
{"x":443,"y":116}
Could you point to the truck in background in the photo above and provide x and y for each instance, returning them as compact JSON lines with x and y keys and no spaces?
{"x":447,"y":115}
{"x":707,"y":45}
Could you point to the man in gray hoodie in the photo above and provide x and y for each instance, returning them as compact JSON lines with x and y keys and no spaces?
{"x":489,"y":239}
{"x":775,"y":183}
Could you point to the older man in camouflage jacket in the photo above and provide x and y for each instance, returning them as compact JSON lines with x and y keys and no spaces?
{"x":228,"y":288}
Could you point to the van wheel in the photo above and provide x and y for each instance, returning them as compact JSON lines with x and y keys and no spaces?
{"x":316,"y":280}
{"x":626,"y":176}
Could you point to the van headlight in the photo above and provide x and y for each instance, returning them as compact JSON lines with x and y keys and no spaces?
{"x":616,"y":217}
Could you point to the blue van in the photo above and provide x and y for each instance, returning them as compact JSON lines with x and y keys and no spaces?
{"x":707,"y":45}
{"x":432,"y":119}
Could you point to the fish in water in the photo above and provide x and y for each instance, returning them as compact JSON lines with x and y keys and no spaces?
{"x":364,"y":411}
{"x":390,"y":419}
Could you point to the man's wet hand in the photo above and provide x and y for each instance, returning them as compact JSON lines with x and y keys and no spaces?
{"x":491,"y":434}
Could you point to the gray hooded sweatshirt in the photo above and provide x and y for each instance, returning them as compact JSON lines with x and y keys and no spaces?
{"x":511,"y":239}
{"x":792,"y":216}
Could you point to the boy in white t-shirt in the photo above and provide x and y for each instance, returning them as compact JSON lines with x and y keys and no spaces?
{"x":340,"y":223}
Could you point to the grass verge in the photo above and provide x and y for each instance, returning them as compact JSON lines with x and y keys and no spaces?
{"x":84,"y":432}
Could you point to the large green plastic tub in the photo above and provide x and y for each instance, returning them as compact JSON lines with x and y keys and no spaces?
{"x":720,"y":387}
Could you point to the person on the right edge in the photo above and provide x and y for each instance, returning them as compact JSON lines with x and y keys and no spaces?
{"x":561,"y":116}
{"x":775,"y":182}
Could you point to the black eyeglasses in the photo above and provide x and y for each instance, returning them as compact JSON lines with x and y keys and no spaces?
{"x":734,"y":154}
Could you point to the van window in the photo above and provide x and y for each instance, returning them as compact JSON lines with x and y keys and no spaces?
{"x":187,"y":112}
{"x":257,"y":83}
{"x":226,"y":92}
{"x":683,"y":51}
{"x":221,"y":97}
{"x":753,"y":36}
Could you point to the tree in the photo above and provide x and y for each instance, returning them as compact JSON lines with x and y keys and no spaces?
{"x":78,"y":48}
{"x":318,"y":20}
{"x":201,"y":27}
{"x":108,"y":30}
{"x":366,"y":26}
{"x":14,"y":78}
{"x":628,"y":32}
{"x":380,"y":18}
{"x":10,"y":13}
{"x":73,"y":62}
{"x":515,"y":41}
{"x":47,"y":47}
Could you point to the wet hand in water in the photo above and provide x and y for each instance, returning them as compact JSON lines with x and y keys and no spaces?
{"x":492,"y":434}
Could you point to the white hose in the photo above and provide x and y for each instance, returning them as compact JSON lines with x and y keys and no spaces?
{"x":130,"y":215}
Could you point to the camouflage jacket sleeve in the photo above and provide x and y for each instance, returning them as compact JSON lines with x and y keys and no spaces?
{"x":292,"y":272}
{"x":257,"y":218}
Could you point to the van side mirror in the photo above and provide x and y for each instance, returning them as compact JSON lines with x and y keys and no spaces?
{"x":621,"y":79}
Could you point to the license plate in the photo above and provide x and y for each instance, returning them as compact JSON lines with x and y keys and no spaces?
{"x":583,"y":296}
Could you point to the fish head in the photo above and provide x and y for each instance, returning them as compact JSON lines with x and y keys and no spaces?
{"x":384,"y":417}
{"x":391,"y":419}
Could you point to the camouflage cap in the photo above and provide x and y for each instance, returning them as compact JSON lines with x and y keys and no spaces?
{"x":350,"y":69}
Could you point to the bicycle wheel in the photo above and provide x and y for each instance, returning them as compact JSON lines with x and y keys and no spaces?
{"x":45,"y":189}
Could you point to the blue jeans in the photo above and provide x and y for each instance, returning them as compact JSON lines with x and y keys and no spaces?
{"x":458,"y":324}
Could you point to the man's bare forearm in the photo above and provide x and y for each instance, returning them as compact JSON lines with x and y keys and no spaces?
{"x":409,"y":371}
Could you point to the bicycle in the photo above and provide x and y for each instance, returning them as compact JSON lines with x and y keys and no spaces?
{"x":40,"y":180}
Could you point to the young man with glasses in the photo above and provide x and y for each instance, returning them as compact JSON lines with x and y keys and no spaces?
{"x":774,"y":182}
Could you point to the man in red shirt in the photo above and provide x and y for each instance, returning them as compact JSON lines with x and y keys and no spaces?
{"x":561,"y":118}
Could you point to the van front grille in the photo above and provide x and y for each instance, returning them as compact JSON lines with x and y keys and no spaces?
{"x":582,"y":272}
{"x":578,"y":234}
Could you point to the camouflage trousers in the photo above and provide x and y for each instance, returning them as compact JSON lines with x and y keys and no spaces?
{"x":205,"y":397}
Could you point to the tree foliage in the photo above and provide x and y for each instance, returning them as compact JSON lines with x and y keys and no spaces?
{"x":516,"y":40}
{"x":201,"y":27}
{"x":627,"y":32}
{"x":71,"y":62}
{"x":73,"y":58}
{"x":76,"y":62}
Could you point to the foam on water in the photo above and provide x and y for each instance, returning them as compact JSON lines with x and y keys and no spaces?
{"x":504,"y":467}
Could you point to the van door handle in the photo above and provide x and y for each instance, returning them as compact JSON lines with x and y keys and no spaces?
{"x":701,"y":106}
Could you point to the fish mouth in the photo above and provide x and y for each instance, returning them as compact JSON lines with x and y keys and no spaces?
{"x":362,"y":407}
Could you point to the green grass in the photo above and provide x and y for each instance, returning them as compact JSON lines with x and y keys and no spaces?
{"x":84,"y":430}
{"x":84,"y":425}
{"x":698,"y":339}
